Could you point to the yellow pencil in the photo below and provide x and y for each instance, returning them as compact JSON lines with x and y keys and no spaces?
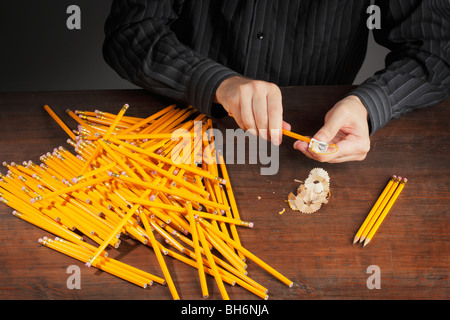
{"x":60,"y":122}
{"x":115,"y":122}
{"x":195,"y":239}
{"x":385,"y":211}
{"x":374,"y":209}
{"x":160,"y":258}
{"x":380,"y":208}
{"x":212,"y":264}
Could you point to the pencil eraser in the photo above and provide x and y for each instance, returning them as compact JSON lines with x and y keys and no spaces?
{"x":175,"y":172}
{"x":56,"y":238}
{"x":399,"y":178}
{"x":406,"y":180}
{"x":74,"y":180}
{"x":40,"y":240}
{"x":250,"y":225}
{"x":224,"y":181}
{"x":4,"y":163}
{"x":152,"y":197}
{"x":222,"y":212}
{"x":88,"y":264}
{"x":13,"y":164}
{"x":32,"y":200}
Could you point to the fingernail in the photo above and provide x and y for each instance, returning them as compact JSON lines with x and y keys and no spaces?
{"x":276,"y":141}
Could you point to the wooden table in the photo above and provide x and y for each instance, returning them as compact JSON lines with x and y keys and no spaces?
{"x":315,"y":251}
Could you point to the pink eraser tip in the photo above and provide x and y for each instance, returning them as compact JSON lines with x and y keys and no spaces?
{"x":222,"y":211}
{"x":56,"y":238}
{"x":186,"y":232}
{"x":224,"y":181}
{"x":34,"y":175}
{"x":96,"y":111}
{"x":13,"y":164}
{"x":23,"y":188}
{"x":110,"y":173}
{"x":74,"y":180}
{"x":40,"y":240}
{"x":175,"y":172}
{"x":406,"y":180}
{"x":399,"y":178}
{"x":88,"y":264}
{"x":14,"y":212}
{"x":250,"y":225}
{"x":45,"y":238}
{"x":48,"y":154}
{"x":174,"y":232}
{"x":4,"y":163}
{"x":152,"y":198}
{"x":32,"y":200}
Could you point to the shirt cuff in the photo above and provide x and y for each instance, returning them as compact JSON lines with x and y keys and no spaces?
{"x":202,"y":86}
{"x":377,"y":104}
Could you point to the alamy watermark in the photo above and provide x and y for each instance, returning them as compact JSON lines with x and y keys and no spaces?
{"x":374,"y":280}
{"x":241,"y":147}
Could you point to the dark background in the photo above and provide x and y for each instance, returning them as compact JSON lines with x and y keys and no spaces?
{"x":39,"y":53}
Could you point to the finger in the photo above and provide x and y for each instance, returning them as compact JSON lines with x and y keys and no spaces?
{"x":247,"y":114}
{"x":243,"y":109}
{"x":260,"y":113}
{"x":275,"y":114}
{"x":286,"y":126}
{"x":329,"y":130}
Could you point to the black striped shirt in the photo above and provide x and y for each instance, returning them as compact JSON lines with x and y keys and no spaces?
{"x":185,"y":48}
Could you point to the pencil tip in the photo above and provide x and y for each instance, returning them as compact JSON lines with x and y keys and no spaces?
{"x":355,"y":240}
{"x":366,"y":242}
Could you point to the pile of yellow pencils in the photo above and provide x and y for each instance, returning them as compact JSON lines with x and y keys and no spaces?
{"x":129,"y":175}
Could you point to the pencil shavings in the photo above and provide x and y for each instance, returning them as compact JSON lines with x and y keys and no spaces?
{"x":312,"y":194}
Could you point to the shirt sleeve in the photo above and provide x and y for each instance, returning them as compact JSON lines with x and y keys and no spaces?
{"x":141,"y":47}
{"x":417,"y":72}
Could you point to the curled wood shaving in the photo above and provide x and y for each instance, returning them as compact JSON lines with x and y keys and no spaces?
{"x":312,"y":194}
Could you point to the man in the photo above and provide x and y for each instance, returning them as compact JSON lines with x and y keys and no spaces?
{"x":235,"y":54}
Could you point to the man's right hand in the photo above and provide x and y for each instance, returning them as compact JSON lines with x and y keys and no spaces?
{"x":255,"y":105}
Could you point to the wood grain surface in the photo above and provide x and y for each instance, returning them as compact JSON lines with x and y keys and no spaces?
{"x":315,"y":251}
